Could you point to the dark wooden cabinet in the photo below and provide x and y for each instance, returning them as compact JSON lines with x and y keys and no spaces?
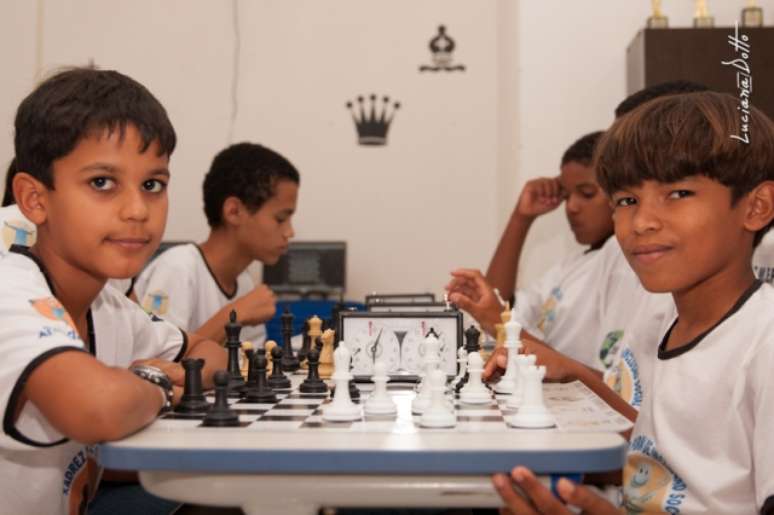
{"x":659,"y":55}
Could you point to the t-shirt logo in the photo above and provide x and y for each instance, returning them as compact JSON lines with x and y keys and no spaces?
{"x":607,"y":350}
{"x":548,"y":311}
{"x":18,"y":232}
{"x":649,"y":485}
{"x":52,"y":309}
{"x":156,"y":302}
{"x":624,"y":378}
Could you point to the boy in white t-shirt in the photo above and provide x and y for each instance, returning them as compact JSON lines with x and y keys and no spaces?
{"x":250,"y":195}
{"x":92,"y":150}
{"x":692,"y":185}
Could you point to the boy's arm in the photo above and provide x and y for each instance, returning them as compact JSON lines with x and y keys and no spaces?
{"x":538,"y":197}
{"x":253,"y":308}
{"x":214,"y":355}
{"x":88,"y":401}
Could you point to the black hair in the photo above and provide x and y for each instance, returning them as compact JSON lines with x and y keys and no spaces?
{"x":79,"y":102}
{"x":676,"y":136}
{"x":582,"y":150}
{"x":674,"y":87}
{"x":8,"y":198}
{"x":247,"y":171}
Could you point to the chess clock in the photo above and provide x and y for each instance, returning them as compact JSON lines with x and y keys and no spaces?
{"x":398,"y":338}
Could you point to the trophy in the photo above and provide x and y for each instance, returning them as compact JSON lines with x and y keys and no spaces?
{"x":752,"y":15}
{"x":702,"y":19}
{"x":657,"y":20}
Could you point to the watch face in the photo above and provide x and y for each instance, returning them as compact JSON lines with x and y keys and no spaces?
{"x":398,"y":339}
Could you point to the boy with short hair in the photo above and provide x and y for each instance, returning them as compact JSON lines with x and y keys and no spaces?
{"x":690,"y":205}
{"x":250,"y":195}
{"x":92,"y":150}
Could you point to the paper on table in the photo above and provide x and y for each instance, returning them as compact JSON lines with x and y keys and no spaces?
{"x":577,"y":409}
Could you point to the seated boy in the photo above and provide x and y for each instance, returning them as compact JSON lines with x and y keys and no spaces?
{"x":690,"y":204}
{"x":250,"y":196}
{"x":92,"y":150}
{"x":542,"y":308}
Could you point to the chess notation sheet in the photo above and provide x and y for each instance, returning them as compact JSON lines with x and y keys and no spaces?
{"x":577,"y":409}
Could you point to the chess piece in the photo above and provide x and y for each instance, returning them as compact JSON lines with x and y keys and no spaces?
{"x":380,"y":402}
{"x":505,"y":316}
{"x":193,"y":400}
{"x":278,"y":380}
{"x":533,"y":412}
{"x":220,"y":414}
{"x":430,"y":362}
{"x":236,"y":383}
{"x":437,"y":414}
{"x":244,"y":360}
{"x":289,"y":359}
{"x":474,"y":391}
{"x":326,"y":354}
{"x":507,"y":383}
{"x":472,"y":337}
{"x":268,"y":347}
{"x":312,"y":332}
{"x":313,"y":383}
{"x":702,"y":19}
{"x":522,"y":362}
{"x":259,"y":390}
{"x":341,"y":408}
{"x":462,"y":368}
{"x":657,"y":20}
{"x":752,"y":15}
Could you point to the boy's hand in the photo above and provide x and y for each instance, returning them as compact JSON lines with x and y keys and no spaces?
{"x":256,"y":307}
{"x":539,"y":196}
{"x":538,"y":499}
{"x":558,"y":366}
{"x":470,"y":292}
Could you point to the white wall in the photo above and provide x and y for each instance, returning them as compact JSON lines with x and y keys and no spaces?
{"x":540,"y":74}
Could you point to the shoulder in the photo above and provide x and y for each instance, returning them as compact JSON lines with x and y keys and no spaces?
{"x":179,"y":255}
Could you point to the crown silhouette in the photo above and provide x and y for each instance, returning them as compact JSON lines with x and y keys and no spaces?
{"x":371,"y":126}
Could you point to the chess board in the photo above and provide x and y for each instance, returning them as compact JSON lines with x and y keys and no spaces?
{"x":297,"y":411}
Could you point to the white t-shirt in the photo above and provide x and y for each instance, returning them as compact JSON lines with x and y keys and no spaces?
{"x":41,"y":471}
{"x":15,"y":229}
{"x":179,"y":286}
{"x":554,"y":310}
{"x":703,"y":441}
{"x":763,"y":259}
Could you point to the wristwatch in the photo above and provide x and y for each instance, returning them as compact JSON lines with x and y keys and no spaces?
{"x":156,"y":376}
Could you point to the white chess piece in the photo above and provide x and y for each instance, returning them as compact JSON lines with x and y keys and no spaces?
{"x":474,"y":391}
{"x":430,"y":362}
{"x":438,"y":413}
{"x":533,"y":412}
{"x":507,"y":383}
{"x":522,"y":362}
{"x":341,"y":408}
{"x":380,"y":402}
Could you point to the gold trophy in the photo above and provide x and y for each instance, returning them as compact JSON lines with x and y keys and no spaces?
{"x":657,"y":20}
{"x":752,"y":15}
{"x":702,"y":19}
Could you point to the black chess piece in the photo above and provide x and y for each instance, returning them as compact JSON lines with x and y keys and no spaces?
{"x":221,"y":415}
{"x":260,"y":392}
{"x":471,"y":345}
{"x":354,"y":391}
{"x":318,"y":344}
{"x":193,"y":400}
{"x":289,"y":359}
{"x":313,"y":383}
{"x":306,"y":343}
{"x":277,"y":379}
{"x":236,"y":383}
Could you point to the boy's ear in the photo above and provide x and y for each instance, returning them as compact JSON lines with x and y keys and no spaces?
{"x":31,"y":196}
{"x":233,"y":211}
{"x":760,"y":210}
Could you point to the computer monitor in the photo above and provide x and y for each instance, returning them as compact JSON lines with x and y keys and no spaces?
{"x":310,"y":268}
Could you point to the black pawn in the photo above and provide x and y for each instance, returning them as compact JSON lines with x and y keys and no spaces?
{"x":260,"y":392}
{"x":193,"y":400}
{"x":236,"y":383}
{"x":471,"y":345}
{"x":289,"y":359}
{"x":277,"y":379}
{"x":220,"y":415}
{"x":313,"y":383}
{"x":306,"y":343}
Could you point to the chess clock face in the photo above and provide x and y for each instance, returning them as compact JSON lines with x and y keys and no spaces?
{"x":398,"y":338}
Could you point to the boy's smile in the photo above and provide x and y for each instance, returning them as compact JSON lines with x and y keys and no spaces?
{"x":107,"y":211}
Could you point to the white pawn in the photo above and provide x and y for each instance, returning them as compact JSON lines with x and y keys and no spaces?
{"x":429,"y":363}
{"x":522,"y":362}
{"x":532,"y":413}
{"x":507,"y":383}
{"x":438,"y":413}
{"x":341,"y":408}
{"x":380,"y":402}
{"x":474,"y":391}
